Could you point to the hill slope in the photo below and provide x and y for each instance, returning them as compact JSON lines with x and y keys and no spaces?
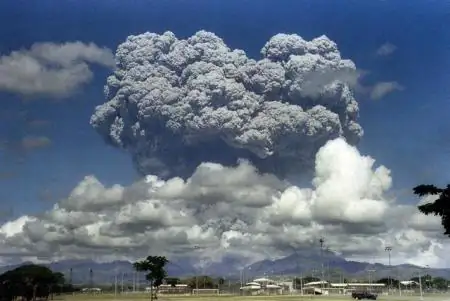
{"x":304,"y":262}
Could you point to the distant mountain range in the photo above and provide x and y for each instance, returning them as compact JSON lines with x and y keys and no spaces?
{"x":304,"y":262}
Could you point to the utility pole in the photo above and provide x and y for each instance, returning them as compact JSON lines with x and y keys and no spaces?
{"x":389,"y":249}
{"x":321,"y":241}
{"x":70,"y":276}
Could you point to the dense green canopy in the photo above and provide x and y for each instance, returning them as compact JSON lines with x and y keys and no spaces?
{"x":30,"y":282}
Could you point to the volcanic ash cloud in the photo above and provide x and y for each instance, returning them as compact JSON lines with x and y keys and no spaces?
{"x":175,"y":103}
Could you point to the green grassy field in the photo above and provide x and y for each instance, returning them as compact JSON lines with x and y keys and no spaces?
{"x":139,"y":297}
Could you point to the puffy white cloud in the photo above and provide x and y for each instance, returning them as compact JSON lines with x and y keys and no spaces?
{"x":51,"y":69}
{"x":235,"y":210}
{"x":174,"y":103}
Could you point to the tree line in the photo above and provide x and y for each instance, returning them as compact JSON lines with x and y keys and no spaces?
{"x":31,"y":282}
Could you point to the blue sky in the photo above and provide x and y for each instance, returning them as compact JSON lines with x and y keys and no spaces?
{"x":406,"y":130}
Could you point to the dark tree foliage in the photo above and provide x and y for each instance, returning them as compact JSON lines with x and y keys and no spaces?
{"x":440,"y":283}
{"x":203,"y":281}
{"x":432,"y":282}
{"x":29,"y":282}
{"x":440,"y":207}
{"x":155,"y":266}
{"x":389,"y":281}
{"x":172,"y":281}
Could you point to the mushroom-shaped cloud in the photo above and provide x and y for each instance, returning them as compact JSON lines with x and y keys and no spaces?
{"x":174,"y":103}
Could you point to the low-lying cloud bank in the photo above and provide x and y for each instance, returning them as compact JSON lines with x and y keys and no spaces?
{"x":234,"y":210}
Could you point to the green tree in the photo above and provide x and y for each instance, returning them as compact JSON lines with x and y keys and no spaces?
{"x":31,"y":281}
{"x":203,"y":282}
{"x":440,"y":207}
{"x":440,"y":283}
{"x":389,"y":281}
{"x":427,"y":280}
{"x":155,"y":266}
{"x":220,"y":282}
{"x":172,"y":281}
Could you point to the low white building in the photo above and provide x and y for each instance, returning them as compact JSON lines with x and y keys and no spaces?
{"x":324,"y":287}
{"x":262,"y":286}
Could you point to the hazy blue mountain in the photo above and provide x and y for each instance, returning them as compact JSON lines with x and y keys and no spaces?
{"x":303,"y":262}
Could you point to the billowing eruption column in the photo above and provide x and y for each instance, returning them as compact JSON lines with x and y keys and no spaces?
{"x":175,"y":103}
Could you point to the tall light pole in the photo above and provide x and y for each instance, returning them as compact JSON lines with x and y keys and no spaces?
{"x":370,"y":278}
{"x":115,"y":273}
{"x":420,"y":285}
{"x":115,"y":283}
{"x":122,"y":283}
{"x":328,"y":266}
{"x":322,"y":242}
{"x":196,"y":277}
{"x":389,"y":249}
{"x":91,"y":279}
{"x":297,"y":267}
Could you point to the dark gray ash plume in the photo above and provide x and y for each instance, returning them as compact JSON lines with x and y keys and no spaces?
{"x":175,"y":103}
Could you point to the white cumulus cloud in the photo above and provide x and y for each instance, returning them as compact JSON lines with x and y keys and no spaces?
{"x":234,"y":210}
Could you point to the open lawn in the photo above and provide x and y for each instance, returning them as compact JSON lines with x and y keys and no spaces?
{"x":141,"y":297}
